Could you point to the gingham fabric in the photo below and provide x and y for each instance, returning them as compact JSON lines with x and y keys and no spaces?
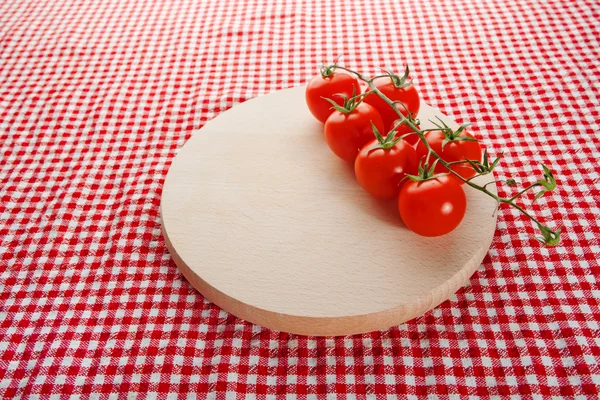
{"x":97,"y":96}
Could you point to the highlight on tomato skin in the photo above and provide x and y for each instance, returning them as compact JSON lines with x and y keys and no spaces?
{"x":432,"y":207}
{"x":331,"y":87}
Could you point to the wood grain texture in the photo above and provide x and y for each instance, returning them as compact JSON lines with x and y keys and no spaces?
{"x":268,"y":224}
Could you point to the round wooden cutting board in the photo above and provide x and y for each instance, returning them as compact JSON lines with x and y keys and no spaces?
{"x":268,"y":224}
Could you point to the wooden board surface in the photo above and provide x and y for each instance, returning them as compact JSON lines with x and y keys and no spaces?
{"x":268,"y":224}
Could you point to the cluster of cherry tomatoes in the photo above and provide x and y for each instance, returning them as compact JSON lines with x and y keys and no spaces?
{"x":390,"y":160}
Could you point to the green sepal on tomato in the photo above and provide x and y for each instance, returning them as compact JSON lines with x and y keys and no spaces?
{"x":404,"y":131}
{"x":452,"y":146}
{"x":382,"y":165}
{"x":398,"y":89}
{"x":348,"y":128}
{"x":331,"y":85}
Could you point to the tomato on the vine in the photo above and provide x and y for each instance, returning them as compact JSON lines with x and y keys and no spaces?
{"x":382,"y":165}
{"x":348,"y":129}
{"x":432,"y":207}
{"x":452,"y":146}
{"x":433,"y":202}
{"x":397,"y":89}
{"x":403,"y":129}
{"x":331,"y":85}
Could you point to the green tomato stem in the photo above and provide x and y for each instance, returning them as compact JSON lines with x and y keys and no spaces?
{"x":516,"y":196}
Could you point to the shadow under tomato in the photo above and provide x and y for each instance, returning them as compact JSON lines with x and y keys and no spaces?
{"x":384,"y":210}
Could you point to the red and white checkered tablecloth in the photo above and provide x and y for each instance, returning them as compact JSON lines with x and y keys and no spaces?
{"x":97,"y":96}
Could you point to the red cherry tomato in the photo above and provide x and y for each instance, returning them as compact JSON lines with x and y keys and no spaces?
{"x":433,"y":207}
{"x":454,"y":150}
{"x":381,"y":171}
{"x":329,"y":87}
{"x":407,"y":95}
{"x":346,"y":134}
{"x":403,"y":129}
